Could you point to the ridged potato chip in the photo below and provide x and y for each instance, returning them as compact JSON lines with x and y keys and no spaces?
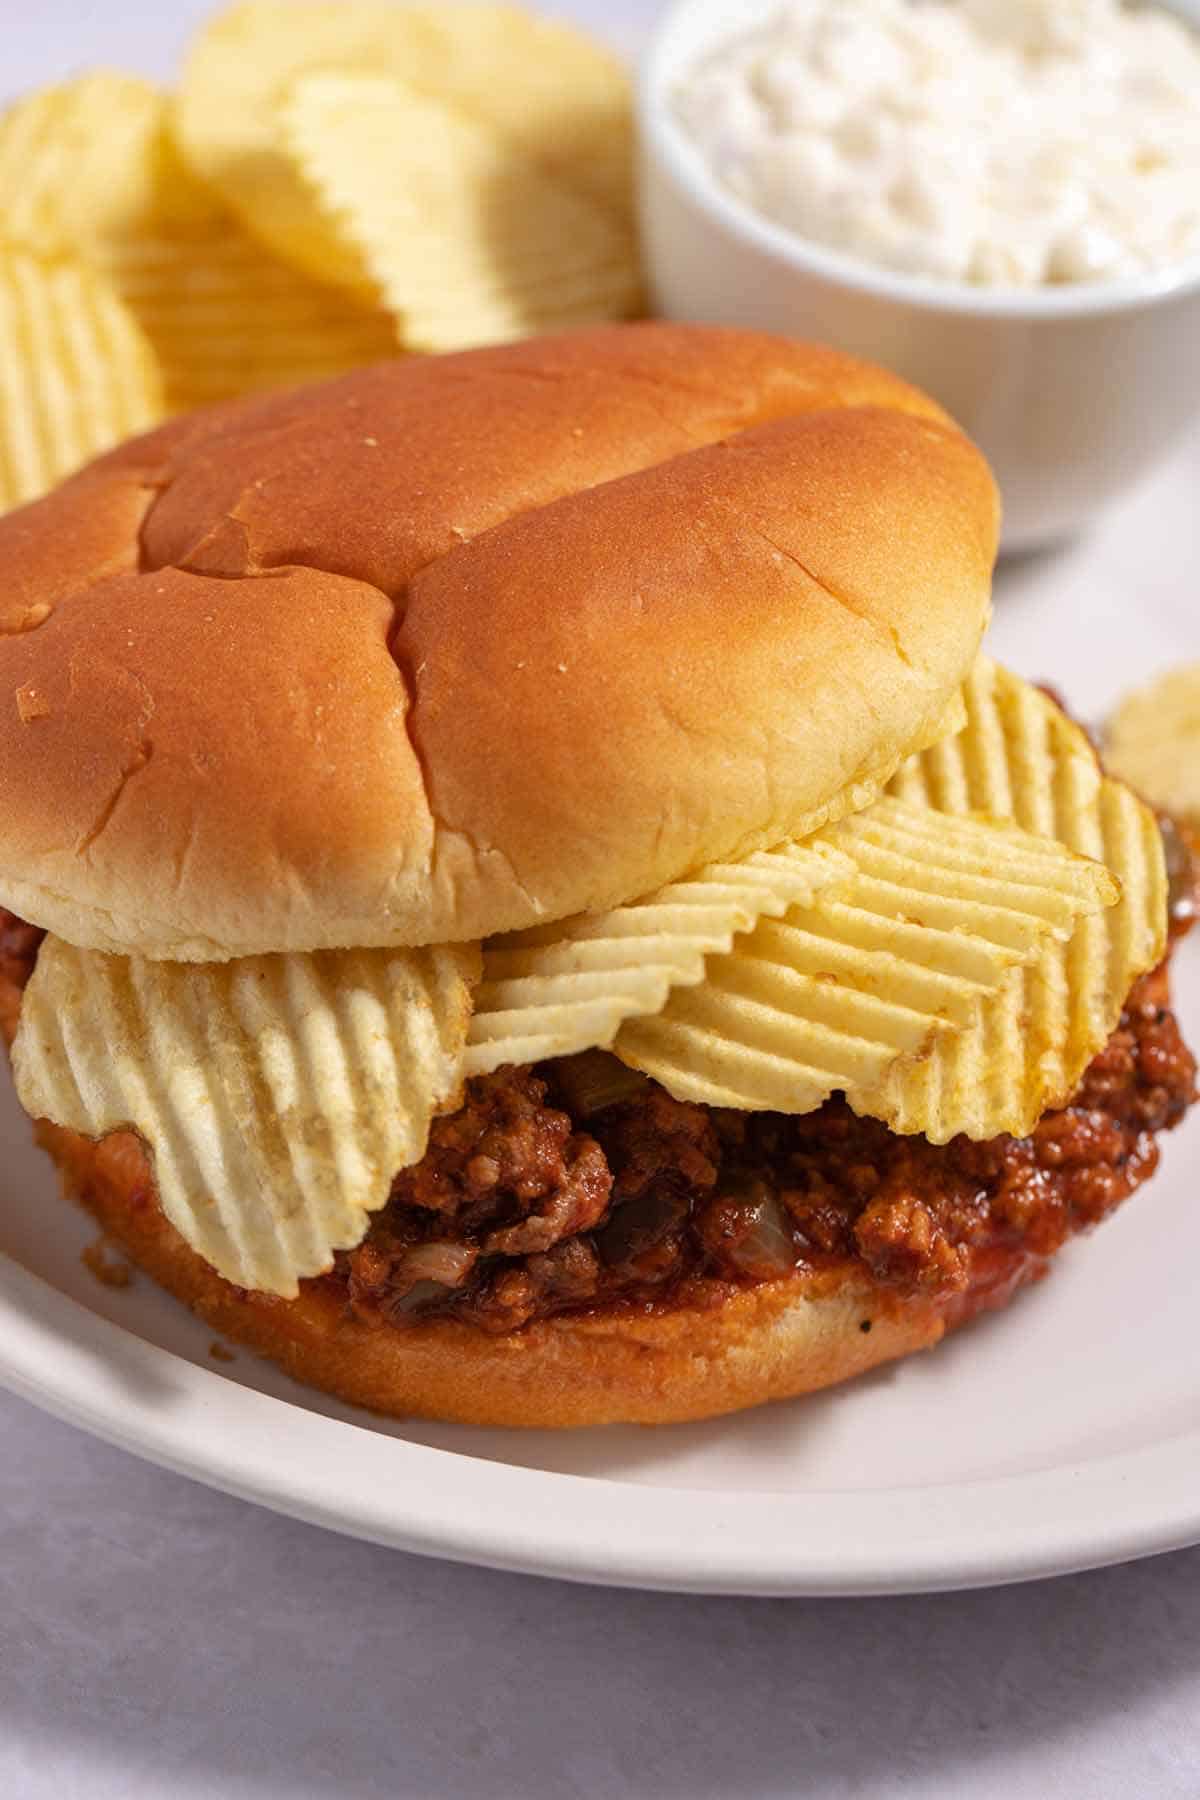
{"x":464,"y":237}
{"x":76,"y":372}
{"x":226,"y":318}
{"x":91,"y":166}
{"x":548,"y":90}
{"x":1153,"y":743}
{"x":1021,"y":758}
{"x":837,"y":995}
{"x":279,"y":1095}
{"x":86,"y":161}
{"x":562,"y":988}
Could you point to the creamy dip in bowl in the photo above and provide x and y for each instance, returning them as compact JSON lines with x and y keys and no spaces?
{"x":999,"y":142}
{"x":1073,"y":373}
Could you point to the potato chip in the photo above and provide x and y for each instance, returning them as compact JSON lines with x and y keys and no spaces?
{"x":76,"y":373}
{"x":279,"y":1095}
{"x":837,"y":994}
{"x":92,"y":165}
{"x":86,"y":161}
{"x":548,"y":90}
{"x":464,"y":237}
{"x":1153,"y":743}
{"x":558,"y":989}
{"x":226,"y":318}
{"x":559,"y":96}
{"x":1021,"y":758}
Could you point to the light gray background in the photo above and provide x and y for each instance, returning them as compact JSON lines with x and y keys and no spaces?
{"x":160,"y":1640}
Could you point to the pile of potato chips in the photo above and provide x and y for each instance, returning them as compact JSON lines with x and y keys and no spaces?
{"x":950,"y":957}
{"x":330,"y":185}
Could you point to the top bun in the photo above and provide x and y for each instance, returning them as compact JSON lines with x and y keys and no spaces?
{"x":451,"y":645}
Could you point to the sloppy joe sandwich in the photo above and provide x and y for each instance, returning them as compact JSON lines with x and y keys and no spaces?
{"x":526,"y":902}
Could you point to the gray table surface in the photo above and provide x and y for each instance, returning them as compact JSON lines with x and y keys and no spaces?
{"x":159,"y":1640}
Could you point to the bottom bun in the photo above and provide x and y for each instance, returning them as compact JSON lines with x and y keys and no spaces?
{"x":768,"y":1342}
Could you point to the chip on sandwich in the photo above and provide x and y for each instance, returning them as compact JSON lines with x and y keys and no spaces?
{"x":525,"y":900}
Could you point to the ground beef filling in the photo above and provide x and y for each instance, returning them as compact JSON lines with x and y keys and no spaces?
{"x":527,"y":1205}
{"x":521,"y":1210}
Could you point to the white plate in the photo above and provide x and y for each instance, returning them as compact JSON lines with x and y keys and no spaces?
{"x":1062,"y":1434}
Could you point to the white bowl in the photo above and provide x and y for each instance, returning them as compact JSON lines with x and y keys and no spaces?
{"x":1072,"y":392}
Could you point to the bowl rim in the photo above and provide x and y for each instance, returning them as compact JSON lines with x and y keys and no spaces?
{"x":663,"y":139}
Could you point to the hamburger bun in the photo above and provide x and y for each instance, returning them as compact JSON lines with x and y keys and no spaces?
{"x":772,"y":1341}
{"x":454,"y":646}
{"x":448,"y":647}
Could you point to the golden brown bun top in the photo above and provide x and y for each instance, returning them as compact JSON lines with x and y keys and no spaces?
{"x":450,"y":645}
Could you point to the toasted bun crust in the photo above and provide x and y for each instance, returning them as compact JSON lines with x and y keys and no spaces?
{"x":766,"y":1343}
{"x":453,"y":644}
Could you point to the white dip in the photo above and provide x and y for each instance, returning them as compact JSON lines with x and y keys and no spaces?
{"x":1003,"y":142}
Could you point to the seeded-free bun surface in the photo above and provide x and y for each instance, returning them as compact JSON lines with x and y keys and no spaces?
{"x":451,"y":645}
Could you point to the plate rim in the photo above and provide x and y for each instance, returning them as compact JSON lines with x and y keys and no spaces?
{"x":371,"y":1485}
